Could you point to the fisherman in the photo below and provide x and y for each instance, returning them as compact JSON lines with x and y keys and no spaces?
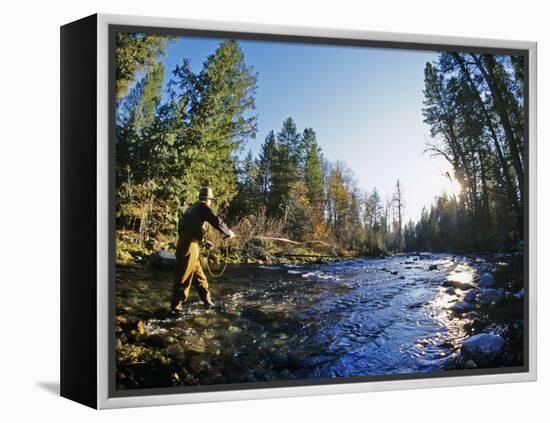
{"x":191,"y":235}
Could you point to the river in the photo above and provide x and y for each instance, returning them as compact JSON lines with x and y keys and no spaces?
{"x":356,"y":317}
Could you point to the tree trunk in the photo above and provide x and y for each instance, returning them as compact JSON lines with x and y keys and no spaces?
{"x":487,"y":70}
{"x":456,"y":148}
{"x":488,"y":122}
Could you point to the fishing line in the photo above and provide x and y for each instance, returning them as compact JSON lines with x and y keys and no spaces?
{"x":259,"y":237}
{"x":226,"y":261}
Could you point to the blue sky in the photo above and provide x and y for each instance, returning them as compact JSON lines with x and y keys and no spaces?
{"x":363,"y":103}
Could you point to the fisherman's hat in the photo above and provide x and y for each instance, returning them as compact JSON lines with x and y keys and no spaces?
{"x":206,"y":193}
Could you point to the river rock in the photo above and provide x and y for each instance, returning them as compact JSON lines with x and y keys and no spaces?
{"x":490,"y":295}
{"x":205,"y":365}
{"x":477,"y":325}
{"x":156,"y":341}
{"x":470,"y":364}
{"x":178,"y":356}
{"x":433,"y":267}
{"x":163,"y":260}
{"x":483,"y":348}
{"x":461,"y":307}
{"x":487,"y":280}
{"x":450,"y":290}
{"x":471,"y":295}
{"x":259,"y":371}
{"x":279,"y":360}
{"x":464,"y":286}
{"x":152,"y":244}
{"x":520,"y":294}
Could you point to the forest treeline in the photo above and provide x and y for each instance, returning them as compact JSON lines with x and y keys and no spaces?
{"x":474,"y":105}
{"x":174,"y":137}
{"x":291,"y":189}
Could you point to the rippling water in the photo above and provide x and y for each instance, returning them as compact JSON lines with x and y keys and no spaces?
{"x":350,"y":318}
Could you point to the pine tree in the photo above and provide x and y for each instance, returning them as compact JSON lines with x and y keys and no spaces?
{"x":399,"y":206}
{"x":135,"y":53}
{"x":245,"y":202}
{"x":265,"y":167}
{"x":135,"y":144}
{"x":313,"y":168}
{"x":473,"y":105}
{"x":169,"y":150}
{"x":313,"y":175}
{"x":285,"y":168}
{"x":218,"y":103}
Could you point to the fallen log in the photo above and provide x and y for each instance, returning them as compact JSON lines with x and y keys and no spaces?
{"x":305,"y":255}
{"x":290,"y":241}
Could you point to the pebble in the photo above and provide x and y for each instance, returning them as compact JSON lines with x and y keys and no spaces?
{"x":471,"y":295}
{"x":487,"y":280}
{"x":520,"y":294}
{"x":464,"y":286}
{"x":470,"y":364}
{"x":472,"y":315}
{"x":490,"y":295}
{"x":461,"y":307}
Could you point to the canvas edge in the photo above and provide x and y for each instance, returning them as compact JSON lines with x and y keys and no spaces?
{"x":103,"y":399}
{"x":533,"y":201}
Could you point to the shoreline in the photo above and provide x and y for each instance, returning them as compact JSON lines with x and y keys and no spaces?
{"x":165,"y":258}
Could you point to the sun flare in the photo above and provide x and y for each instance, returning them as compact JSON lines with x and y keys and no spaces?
{"x":456,"y":188}
{"x":452,"y":186}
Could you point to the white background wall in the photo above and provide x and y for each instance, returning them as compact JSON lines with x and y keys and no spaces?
{"x":29,"y":208}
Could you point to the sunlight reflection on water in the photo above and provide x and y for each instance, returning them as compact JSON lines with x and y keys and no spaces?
{"x":463,"y":273}
{"x":439,"y":306}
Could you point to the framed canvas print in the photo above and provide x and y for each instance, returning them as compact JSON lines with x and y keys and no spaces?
{"x":254,"y":211}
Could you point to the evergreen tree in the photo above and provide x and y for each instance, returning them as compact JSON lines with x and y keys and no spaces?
{"x":135,"y":143}
{"x":313,"y":168}
{"x":398,"y":207}
{"x":245,"y":203}
{"x":216,"y":105}
{"x":473,"y":104}
{"x":313,"y":175}
{"x":265,"y":167}
{"x":191,"y":139}
{"x":135,"y":53}
{"x":298,"y":222}
{"x":285,"y":168}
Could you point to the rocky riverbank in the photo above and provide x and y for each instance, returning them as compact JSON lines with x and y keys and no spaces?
{"x":250,"y":251}
{"x":493,"y":304}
